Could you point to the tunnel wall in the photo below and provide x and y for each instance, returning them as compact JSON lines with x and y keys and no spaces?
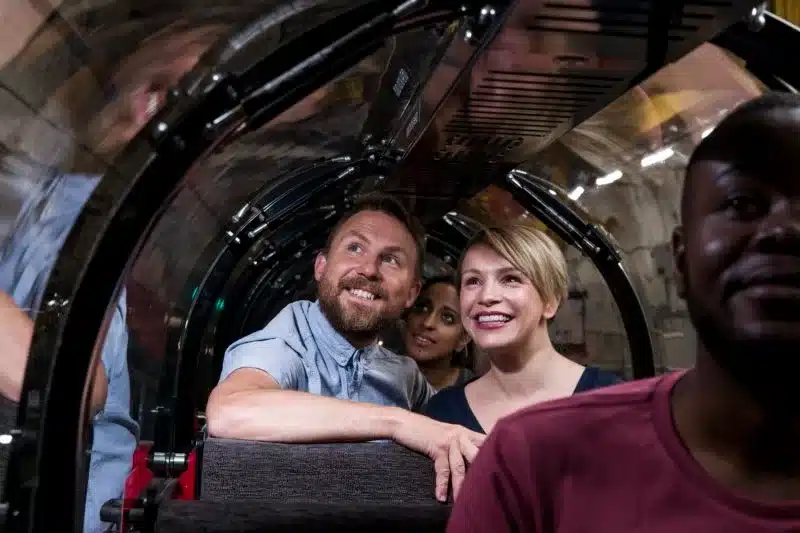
{"x":641,"y":215}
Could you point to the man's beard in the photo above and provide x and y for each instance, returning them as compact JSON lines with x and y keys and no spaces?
{"x":352,"y":321}
{"x":766,"y":369}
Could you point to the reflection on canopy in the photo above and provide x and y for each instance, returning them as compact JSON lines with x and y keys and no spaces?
{"x":648,"y":133}
{"x":75,"y":81}
{"x":674,"y":109}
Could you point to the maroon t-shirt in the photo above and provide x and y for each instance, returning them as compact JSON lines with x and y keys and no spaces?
{"x":607,"y":461}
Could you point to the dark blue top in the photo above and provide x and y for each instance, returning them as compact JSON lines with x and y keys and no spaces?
{"x":451,"y":406}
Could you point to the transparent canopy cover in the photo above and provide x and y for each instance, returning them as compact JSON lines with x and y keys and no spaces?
{"x":80,"y":79}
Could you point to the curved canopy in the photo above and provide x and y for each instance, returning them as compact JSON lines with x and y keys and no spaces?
{"x":227,"y":137}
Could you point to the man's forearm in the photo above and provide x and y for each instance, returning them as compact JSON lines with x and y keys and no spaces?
{"x":299,"y":417}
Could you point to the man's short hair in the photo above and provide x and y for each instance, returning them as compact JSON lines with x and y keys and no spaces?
{"x":389,"y":205}
{"x":530,"y":251}
{"x":720,"y":143}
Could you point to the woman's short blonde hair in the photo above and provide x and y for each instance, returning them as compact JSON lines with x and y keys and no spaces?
{"x":531,"y":252}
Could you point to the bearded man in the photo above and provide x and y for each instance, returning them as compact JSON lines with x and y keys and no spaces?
{"x":316,"y":372}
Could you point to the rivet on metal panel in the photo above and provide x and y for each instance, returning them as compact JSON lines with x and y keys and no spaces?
{"x":240,"y":213}
{"x":254,"y":232}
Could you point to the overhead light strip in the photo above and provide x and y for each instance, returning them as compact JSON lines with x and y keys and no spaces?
{"x":608,"y":178}
{"x":576,"y":193}
{"x":657,"y":157}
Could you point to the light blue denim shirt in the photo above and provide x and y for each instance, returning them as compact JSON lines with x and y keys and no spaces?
{"x":303,"y":352}
{"x":26,"y":258}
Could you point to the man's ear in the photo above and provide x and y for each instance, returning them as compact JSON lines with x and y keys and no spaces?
{"x":416,"y":286}
{"x":319,"y":266}
{"x":679,"y":256}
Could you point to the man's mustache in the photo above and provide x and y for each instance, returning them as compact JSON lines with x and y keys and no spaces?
{"x":363,"y":284}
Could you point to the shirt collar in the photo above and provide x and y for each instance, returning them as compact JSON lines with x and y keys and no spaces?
{"x":330,"y":341}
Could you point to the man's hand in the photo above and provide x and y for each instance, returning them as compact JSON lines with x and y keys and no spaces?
{"x":451,"y":447}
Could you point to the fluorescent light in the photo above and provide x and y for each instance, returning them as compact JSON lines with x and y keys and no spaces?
{"x":6,"y":439}
{"x":576,"y":193}
{"x":706,"y":133}
{"x":609,"y":178}
{"x":657,"y":157}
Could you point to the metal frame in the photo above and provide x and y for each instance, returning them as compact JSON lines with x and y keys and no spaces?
{"x":44,"y":479}
{"x":43,"y":475}
{"x":767,"y":51}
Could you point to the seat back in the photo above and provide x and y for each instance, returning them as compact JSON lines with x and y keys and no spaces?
{"x":374,"y":472}
{"x":201,"y":516}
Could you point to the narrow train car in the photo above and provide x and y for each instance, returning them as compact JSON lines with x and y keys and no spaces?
{"x":220,"y":142}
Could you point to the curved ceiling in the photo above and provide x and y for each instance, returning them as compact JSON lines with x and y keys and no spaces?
{"x":66,"y":72}
{"x":79,"y":82}
{"x":90,"y":74}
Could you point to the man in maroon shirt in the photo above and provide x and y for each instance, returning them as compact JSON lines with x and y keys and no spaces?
{"x":713,"y":449}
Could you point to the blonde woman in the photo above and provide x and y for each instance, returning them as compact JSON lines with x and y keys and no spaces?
{"x":512,"y":280}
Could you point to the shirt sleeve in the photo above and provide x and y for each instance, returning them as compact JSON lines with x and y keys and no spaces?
{"x":115,"y":347}
{"x":270,"y":350}
{"x":495,"y":497}
{"x":422,"y":391}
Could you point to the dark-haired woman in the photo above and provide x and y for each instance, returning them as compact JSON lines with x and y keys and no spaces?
{"x":435,"y":337}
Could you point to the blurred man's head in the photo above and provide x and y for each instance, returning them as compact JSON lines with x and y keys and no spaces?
{"x":139,"y":84}
{"x":738,"y":250}
{"x":369,"y":272}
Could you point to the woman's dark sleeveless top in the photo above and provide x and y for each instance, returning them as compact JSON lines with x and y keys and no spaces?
{"x":450,"y":405}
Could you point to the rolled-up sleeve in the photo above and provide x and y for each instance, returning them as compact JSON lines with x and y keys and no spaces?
{"x":276,"y":350}
{"x":422,"y":392}
{"x":115,"y":347}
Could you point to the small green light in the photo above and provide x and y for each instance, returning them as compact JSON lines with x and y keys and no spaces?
{"x":194,"y":292}
{"x":220,"y":304}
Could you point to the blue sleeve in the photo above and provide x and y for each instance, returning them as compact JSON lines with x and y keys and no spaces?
{"x":117,"y":409}
{"x":115,"y":347}
{"x":38,"y":233}
{"x":422,"y":392}
{"x":274,"y":350}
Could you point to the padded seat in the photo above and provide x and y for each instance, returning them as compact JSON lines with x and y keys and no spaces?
{"x":376,"y":472}
{"x":200,"y":516}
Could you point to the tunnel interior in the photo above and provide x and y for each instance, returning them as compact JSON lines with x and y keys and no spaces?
{"x":269,"y":120}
